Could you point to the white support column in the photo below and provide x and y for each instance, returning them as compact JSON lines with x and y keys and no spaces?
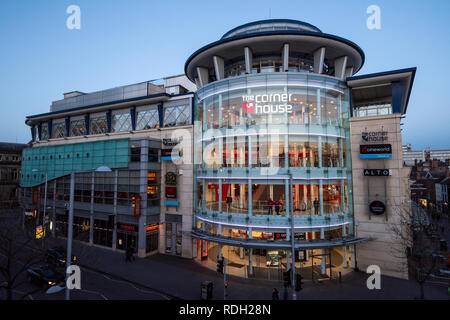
{"x":218,"y":67}
{"x":220,"y":196}
{"x":220,"y":114}
{"x":319,"y":148}
{"x":343,"y":196}
{"x":348,"y":72}
{"x":250,"y":207}
{"x":203,"y":195}
{"x":319,"y":107}
{"x":248,"y":55}
{"x":249,"y":152}
{"x":340,"y":66}
{"x":250,"y":254}
{"x":91,"y":216}
{"x":323,"y":267}
{"x":344,"y":248}
{"x":114,"y":237}
{"x":220,"y":246}
{"x":197,"y":83}
{"x":321,"y":196}
{"x":203,"y":76}
{"x":286,"y":151}
{"x":286,"y":196}
{"x":319,"y":58}
{"x":285,"y":57}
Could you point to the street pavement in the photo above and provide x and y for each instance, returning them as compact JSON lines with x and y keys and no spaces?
{"x":181,"y":278}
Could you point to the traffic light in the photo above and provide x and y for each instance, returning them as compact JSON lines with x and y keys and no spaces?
{"x":220,"y":265}
{"x":287,"y":278}
{"x":298,"y":282}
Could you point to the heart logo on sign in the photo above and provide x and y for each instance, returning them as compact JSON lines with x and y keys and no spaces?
{"x":249,"y":107}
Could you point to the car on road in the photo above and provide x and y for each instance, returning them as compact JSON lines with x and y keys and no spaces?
{"x":57,"y":256}
{"x":45,"y":276}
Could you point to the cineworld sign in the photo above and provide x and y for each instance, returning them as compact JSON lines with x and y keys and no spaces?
{"x":375,"y":151}
{"x":267,"y":103}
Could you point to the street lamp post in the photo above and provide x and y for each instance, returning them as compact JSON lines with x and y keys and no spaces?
{"x":70,"y":222}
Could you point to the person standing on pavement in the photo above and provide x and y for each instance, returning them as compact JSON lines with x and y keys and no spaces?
{"x":127,"y":255}
{"x":275,"y":295}
{"x":285,"y":293}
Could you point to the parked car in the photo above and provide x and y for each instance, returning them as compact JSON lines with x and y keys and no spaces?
{"x":57,"y":257}
{"x":45,"y":276}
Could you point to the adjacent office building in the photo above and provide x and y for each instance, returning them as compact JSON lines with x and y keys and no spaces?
{"x":134,"y":132}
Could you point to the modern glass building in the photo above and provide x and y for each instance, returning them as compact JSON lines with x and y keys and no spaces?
{"x":272,"y":143}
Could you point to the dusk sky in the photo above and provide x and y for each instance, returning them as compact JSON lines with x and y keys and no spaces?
{"x":125,"y":42}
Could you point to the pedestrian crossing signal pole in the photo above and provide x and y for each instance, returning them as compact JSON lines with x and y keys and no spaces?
{"x":225,"y":283}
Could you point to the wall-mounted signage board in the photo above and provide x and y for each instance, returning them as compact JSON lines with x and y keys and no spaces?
{"x":375,"y":151}
{"x":377,"y":172}
{"x":377,"y":207}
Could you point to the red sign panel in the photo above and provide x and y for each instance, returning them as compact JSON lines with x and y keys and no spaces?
{"x":137,"y":206}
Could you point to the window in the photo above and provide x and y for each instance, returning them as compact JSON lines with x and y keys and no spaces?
{"x":121,"y":122}
{"x":373,"y":110}
{"x":177,"y":115}
{"x":147,"y":118}
{"x":98,"y":124}
{"x":44,"y":131}
{"x":77,"y":128}
{"x":59,"y":129}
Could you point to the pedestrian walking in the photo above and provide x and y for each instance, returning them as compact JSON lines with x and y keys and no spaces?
{"x":277,"y":207}
{"x":275,"y":295}
{"x":316,"y":206}
{"x":127,"y":255}
{"x":270,"y":205}
{"x":285,"y":293}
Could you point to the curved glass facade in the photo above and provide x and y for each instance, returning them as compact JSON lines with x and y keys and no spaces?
{"x":255,"y":136}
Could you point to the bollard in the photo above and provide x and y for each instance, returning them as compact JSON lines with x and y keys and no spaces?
{"x":340,"y":277}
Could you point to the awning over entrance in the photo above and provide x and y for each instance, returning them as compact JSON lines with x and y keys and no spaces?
{"x":279,"y":244}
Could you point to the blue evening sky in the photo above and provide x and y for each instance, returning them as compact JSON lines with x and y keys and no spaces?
{"x":124,"y":42}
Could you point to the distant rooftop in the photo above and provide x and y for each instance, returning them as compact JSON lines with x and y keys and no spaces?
{"x":12,"y":147}
{"x":75,"y":99}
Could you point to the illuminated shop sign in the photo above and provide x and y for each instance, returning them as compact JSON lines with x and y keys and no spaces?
{"x":377,"y":207}
{"x":377,"y":172}
{"x":375,"y":151}
{"x":267,"y":103}
{"x":136,"y":205}
{"x":127,"y":227}
{"x":377,"y":136}
{"x":171,"y":192}
{"x":169,"y":154}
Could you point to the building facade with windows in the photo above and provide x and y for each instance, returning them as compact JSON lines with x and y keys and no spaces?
{"x":276,"y":111}
{"x":10,"y":160}
{"x":136,"y":131}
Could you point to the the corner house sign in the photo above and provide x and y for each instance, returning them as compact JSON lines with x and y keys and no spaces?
{"x":378,"y":136}
{"x":377,"y":207}
{"x":377,"y":172}
{"x":375,"y":151}
{"x":267,"y":103}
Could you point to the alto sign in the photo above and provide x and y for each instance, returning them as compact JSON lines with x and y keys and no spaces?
{"x":377,"y":207}
{"x":377,"y":172}
{"x":267,"y":103}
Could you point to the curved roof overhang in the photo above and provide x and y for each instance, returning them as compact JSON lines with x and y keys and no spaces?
{"x":282,"y":244}
{"x":270,"y":41}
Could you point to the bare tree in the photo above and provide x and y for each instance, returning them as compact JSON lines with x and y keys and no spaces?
{"x":418,"y":250}
{"x":19,"y":250}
